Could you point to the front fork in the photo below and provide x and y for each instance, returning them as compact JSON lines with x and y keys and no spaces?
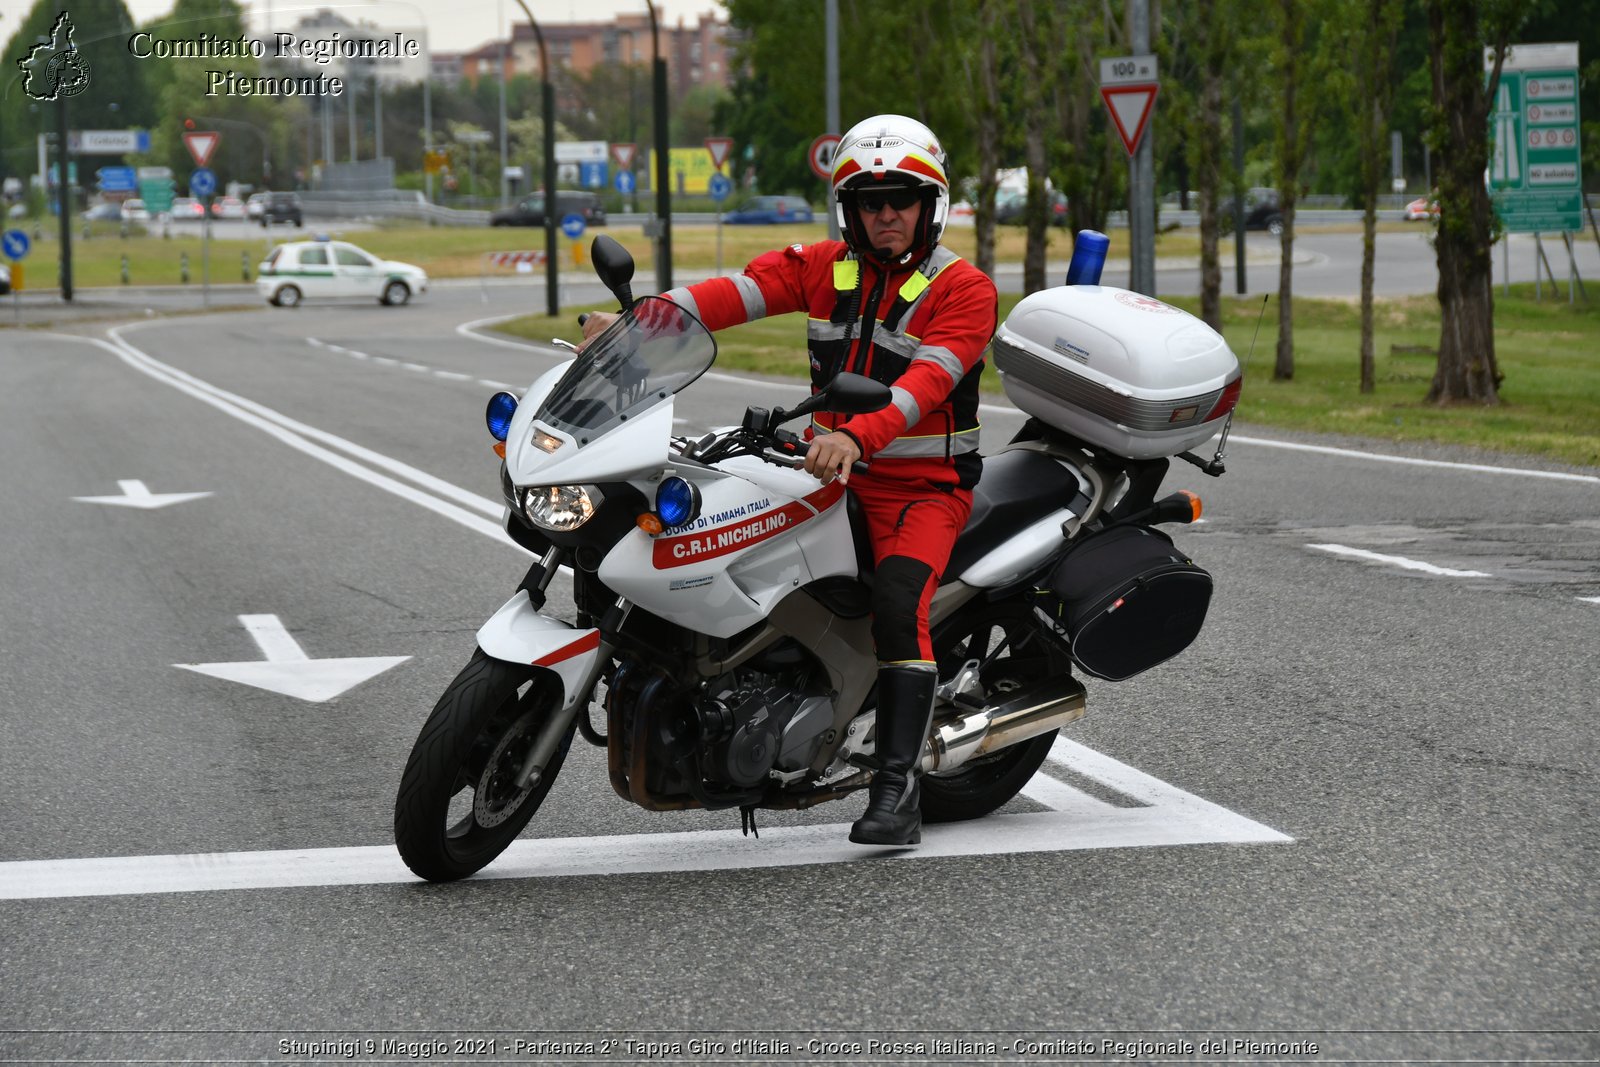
{"x":577,"y":695}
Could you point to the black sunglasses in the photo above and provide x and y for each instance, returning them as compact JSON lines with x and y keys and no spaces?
{"x":900,"y":198}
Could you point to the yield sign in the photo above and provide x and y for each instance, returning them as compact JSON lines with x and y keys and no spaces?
{"x":719,"y":147}
{"x":201,"y":145}
{"x":288,"y":670}
{"x":623,"y":154}
{"x":1130,"y":107}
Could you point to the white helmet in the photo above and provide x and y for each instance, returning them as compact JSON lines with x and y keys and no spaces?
{"x":883,"y":152}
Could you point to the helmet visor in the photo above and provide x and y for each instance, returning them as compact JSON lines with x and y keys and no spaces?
{"x":899,"y":197}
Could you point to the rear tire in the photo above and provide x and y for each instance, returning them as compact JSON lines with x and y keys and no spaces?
{"x":458,"y":808}
{"x":1026,"y":656}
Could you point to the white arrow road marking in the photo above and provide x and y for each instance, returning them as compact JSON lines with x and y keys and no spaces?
{"x":1590,"y":599}
{"x":288,"y":670}
{"x":1398,"y":561}
{"x":136,"y":495}
{"x":1169,"y":816}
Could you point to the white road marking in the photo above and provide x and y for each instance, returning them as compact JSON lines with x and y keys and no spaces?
{"x":1168,"y":817}
{"x":452,"y":375}
{"x":492,"y":384}
{"x":300,"y":437}
{"x":416,"y":366}
{"x":1590,"y":599}
{"x":288,"y":670}
{"x":1399,"y":561}
{"x":136,"y":495}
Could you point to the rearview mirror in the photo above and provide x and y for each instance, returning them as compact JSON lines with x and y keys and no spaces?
{"x":615,"y":267}
{"x":854,"y":394}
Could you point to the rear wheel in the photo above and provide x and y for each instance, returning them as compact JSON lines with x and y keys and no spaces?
{"x":1014,"y":655}
{"x":459,"y":806}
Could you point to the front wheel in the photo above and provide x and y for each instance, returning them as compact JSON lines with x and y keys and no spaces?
{"x":395,"y":294}
{"x":1015,"y":655}
{"x":458,"y":806}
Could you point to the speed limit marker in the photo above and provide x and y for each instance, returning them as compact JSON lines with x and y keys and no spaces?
{"x":822,"y":155}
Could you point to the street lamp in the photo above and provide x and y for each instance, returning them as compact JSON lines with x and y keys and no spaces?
{"x":548,"y":94}
{"x":663,"y":191}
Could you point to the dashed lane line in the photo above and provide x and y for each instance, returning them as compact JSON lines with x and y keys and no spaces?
{"x":1399,"y":561}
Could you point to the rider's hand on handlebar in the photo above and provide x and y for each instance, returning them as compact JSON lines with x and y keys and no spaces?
{"x":595,"y":322}
{"x":831,"y":456}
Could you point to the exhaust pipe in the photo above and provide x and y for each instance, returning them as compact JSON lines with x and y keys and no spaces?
{"x":1050,"y":704}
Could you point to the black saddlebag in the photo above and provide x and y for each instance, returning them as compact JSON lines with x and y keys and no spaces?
{"x":1126,"y":599}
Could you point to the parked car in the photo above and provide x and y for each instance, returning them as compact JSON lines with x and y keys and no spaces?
{"x":529,"y":211}
{"x":227,"y":207}
{"x":1261,"y":211}
{"x":187,"y":207}
{"x":321,"y":269}
{"x":254,"y":206}
{"x":134,"y":211}
{"x":769,"y":210}
{"x":1011,"y":204}
{"x":1423,"y":207}
{"x":281,"y":207}
{"x":104,"y":213}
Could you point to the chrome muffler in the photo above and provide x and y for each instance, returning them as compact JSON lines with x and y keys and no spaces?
{"x":1046,"y":706}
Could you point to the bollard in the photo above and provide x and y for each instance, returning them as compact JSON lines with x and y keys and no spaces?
{"x":183,"y":267}
{"x":244,"y":265}
{"x":124,"y":270}
{"x":124,"y":229}
{"x":85,"y":229}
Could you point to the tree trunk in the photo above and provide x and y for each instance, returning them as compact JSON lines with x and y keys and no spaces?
{"x":1035,"y":116}
{"x":1208,"y":163}
{"x":1467,"y":370}
{"x":988,"y":127}
{"x":1289,"y":140}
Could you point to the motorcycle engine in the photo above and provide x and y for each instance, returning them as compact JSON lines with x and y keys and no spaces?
{"x":746,"y":729}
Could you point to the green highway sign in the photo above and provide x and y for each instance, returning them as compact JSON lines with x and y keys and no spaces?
{"x":1535,"y":161}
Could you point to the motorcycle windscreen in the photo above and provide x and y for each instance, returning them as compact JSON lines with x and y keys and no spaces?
{"x":652,"y":351}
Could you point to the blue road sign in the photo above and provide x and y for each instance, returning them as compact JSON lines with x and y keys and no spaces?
{"x":625,"y":181}
{"x":203,"y":182}
{"x":592,"y":175}
{"x":15,"y":244}
{"x":719,"y":186}
{"x":118,"y":179}
{"x":572,"y":225}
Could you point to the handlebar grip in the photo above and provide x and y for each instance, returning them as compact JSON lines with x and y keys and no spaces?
{"x":859,"y":467}
{"x":583,"y":318}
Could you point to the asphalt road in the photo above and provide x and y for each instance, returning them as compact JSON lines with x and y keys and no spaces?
{"x":1356,"y":815}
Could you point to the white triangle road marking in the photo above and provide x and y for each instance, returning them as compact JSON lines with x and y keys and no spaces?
{"x":1164,"y":815}
{"x":135,"y":494}
{"x":287,"y":669}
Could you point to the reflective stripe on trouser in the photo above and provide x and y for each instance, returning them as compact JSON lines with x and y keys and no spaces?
{"x":913,"y":526}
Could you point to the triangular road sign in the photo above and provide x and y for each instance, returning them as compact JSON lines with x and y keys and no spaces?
{"x":719,"y":147}
{"x":623,"y":154}
{"x":201,"y":145}
{"x":1130,"y":107}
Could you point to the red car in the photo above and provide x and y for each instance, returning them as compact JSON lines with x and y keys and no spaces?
{"x":1423,"y":207}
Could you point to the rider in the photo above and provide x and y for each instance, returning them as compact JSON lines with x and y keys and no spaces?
{"x":891,"y":303}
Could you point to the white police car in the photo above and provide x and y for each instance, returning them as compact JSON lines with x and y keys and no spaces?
{"x":308,"y":270}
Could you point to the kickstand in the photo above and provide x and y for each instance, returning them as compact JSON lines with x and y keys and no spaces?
{"x":747,"y":820}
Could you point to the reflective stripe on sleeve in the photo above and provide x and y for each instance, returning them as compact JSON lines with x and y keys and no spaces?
{"x":755,"y":303}
{"x":681,"y":297}
{"x":943,"y":358}
{"x":958,"y":444}
{"x":906,"y":404}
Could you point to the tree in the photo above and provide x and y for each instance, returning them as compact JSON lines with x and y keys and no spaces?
{"x":1370,"y":30}
{"x":1037,"y":91}
{"x":1292,"y":147}
{"x":1458,"y":32}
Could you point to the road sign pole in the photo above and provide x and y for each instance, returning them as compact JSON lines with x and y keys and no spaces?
{"x":1142,"y":200}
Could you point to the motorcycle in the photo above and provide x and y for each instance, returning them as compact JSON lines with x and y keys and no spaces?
{"x":722,"y":624}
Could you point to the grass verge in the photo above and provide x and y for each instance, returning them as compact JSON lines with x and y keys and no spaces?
{"x":1549,"y":353}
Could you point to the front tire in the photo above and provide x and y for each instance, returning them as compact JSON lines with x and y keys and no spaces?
{"x":395,"y":294}
{"x":458,"y":807}
{"x":1018,"y":656}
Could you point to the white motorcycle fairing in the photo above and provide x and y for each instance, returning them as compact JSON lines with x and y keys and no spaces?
{"x":519,"y":634}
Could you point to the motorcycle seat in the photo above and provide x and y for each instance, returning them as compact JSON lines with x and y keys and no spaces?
{"x":1018,"y":487}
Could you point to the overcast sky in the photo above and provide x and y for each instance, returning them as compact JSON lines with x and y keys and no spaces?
{"x":453,"y":25}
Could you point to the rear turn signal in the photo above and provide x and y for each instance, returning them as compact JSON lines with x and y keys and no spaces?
{"x":1228,"y":400}
{"x":1194,"y":505}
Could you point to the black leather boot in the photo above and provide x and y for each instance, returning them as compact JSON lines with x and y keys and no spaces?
{"x":894,"y":799}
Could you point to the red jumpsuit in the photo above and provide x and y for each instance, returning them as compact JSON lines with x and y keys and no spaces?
{"x":921,"y":328}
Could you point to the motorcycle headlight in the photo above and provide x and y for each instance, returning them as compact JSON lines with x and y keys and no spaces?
{"x":561,"y":507}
